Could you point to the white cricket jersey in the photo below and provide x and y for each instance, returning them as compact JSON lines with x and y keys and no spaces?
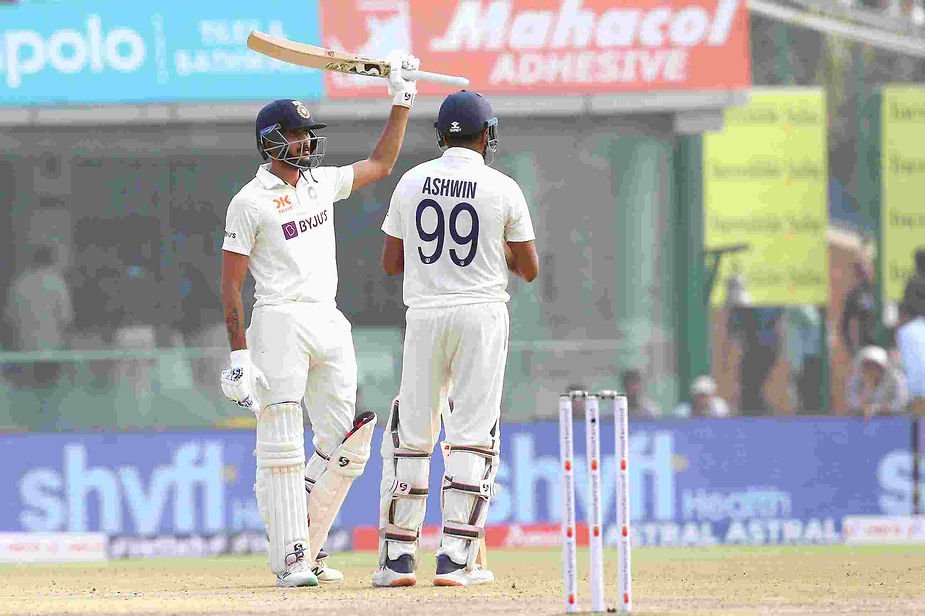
{"x":288,"y":233}
{"x":453,"y":214}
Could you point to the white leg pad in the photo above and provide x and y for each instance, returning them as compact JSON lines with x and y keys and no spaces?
{"x":389,"y":444}
{"x":468,"y":486}
{"x":407,"y":503}
{"x":327,"y":480}
{"x":280,"y":460}
{"x":402,"y":494}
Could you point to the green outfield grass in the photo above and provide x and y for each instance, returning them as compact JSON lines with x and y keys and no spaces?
{"x":720,"y":580}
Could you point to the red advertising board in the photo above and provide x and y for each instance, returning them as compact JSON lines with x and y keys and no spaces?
{"x":548,"y":46}
{"x":366,"y":538}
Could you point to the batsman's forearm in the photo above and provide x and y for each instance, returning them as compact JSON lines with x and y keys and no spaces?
{"x":234,"y":319}
{"x":393,"y":135}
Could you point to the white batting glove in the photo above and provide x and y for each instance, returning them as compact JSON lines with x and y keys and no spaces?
{"x":239,"y":382}
{"x":402,"y":90}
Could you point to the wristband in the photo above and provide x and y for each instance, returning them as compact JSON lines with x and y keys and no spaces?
{"x":240,"y":358}
{"x":403,"y":98}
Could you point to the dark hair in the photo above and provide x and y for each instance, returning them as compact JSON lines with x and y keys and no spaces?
{"x":454,"y":141}
{"x":920,"y":260}
{"x":631,"y":375}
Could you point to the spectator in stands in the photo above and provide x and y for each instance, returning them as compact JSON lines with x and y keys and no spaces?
{"x":910,"y":340}
{"x":914,"y":295}
{"x":761,"y":346}
{"x":804,"y":354}
{"x":639,"y":405}
{"x":859,"y":321}
{"x":200,"y":319}
{"x":876,"y":387}
{"x":95,"y":276}
{"x":39,"y":311}
{"x":704,"y":401}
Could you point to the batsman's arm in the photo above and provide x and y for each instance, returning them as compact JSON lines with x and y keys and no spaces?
{"x":234,"y":269}
{"x":380,"y":162}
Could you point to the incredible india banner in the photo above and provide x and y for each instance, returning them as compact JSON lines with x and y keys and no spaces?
{"x":903,"y":184}
{"x":765,"y":185}
{"x":548,"y":46}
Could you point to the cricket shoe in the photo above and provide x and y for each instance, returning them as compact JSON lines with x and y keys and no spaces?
{"x":398,"y":572}
{"x":297,"y":574}
{"x":326,"y":574}
{"x":452,"y":574}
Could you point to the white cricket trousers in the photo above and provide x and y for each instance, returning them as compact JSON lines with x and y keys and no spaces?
{"x":306,"y":350}
{"x":458,"y":352}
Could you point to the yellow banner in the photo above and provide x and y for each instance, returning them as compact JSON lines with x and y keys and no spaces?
{"x":765,"y":185}
{"x":902,"y":212}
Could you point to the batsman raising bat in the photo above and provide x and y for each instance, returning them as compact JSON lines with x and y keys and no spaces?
{"x":455,"y":227}
{"x":298,"y":346}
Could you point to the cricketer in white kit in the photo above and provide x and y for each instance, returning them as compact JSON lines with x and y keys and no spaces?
{"x":455,"y":227}
{"x":299,"y":346}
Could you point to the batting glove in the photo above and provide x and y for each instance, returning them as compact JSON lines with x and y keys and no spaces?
{"x":239,"y":382}
{"x":403,"y":91}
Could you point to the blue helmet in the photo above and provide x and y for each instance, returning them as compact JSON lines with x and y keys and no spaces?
{"x":288,"y":114}
{"x":466,"y":114}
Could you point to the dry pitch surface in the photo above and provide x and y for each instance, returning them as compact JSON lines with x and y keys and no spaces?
{"x":791,"y":580}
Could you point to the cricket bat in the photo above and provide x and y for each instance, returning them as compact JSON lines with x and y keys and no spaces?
{"x":330,"y":60}
{"x":482,"y":557}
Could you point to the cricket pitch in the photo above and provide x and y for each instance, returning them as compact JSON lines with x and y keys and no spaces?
{"x":718,"y":580}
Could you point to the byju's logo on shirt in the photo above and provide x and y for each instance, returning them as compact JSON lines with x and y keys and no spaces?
{"x":292,"y":228}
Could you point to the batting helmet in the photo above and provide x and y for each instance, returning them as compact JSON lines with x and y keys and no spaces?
{"x":287,"y":114}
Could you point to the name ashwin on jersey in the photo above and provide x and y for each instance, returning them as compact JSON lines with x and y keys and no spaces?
{"x":443,"y":187}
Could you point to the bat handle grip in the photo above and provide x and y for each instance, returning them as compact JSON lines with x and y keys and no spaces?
{"x":450,"y":80}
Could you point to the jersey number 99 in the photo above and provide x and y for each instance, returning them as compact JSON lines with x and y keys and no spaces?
{"x":439,"y":232}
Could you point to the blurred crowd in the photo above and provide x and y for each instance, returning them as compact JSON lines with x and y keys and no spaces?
{"x":104,"y":302}
{"x":886,"y":376}
{"x":119,"y":300}
{"x":110,"y":300}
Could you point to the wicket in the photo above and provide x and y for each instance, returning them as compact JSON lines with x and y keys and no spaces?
{"x":567,"y":405}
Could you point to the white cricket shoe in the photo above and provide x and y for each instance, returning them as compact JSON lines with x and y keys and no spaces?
{"x":398,"y":572}
{"x":297,"y":574}
{"x":450,"y":573}
{"x":326,"y":574}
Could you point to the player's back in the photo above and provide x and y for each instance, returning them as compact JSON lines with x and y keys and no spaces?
{"x":453,"y":214}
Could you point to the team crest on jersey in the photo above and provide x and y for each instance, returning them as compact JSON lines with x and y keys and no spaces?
{"x":283,"y":204}
{"x":301,"y":109}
